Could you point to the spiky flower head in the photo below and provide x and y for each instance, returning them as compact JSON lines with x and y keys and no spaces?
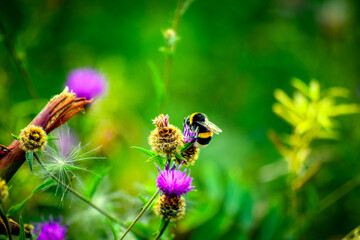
{"x":51,"y":230}
{"x":165,"y":138}
{"x":192,"y":153}
{"x":4,"y":191}
{"x":171,"y":208}
{"x":86,"y":82}
{"x":188,"y":134}
{"x":33,"y":138}
{"x":172,"y":182}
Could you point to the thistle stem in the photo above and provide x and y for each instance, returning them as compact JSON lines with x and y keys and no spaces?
{"x":77,"y":194}
{"x":18,"y":62}
{"x":140,"y":214}
{"x":169,"y":57}
{"x":162,"y":230}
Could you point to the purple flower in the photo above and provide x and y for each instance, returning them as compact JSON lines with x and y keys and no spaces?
{"x":50,"y":230}
{"x":86,"y":82}
{"x":188,"y":134}
{"x":174,"y":182}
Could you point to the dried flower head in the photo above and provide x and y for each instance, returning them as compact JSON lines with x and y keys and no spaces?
{"x":86,"y":82}
{"x":33,"y":138}
{"x":56,"y":112}
{"x":50,"y":230}
{"x":172,"y":182}
{"x":171,"y":208}
{"x":190,"y":155}
{"x":165,"y":138}
{"x":4,"y":191}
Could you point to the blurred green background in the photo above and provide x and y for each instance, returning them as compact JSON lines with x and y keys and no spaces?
{"x":230,"y":58}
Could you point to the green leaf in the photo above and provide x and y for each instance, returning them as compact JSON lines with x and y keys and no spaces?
{"x":187,"y":145}
{"x":147,"y":152}
{"x":15,"y":137}
{"x":49,"y":137}
{"x":48,"y":183}
{"x":40,"y":153}
{"x":112,"y":229}
{"x":158,"y":83}
{"x":180,"y":157}
{"x":142,"y":199}
{"x":5,"y":220}
{"x":29,"y":155}
{"x":93,"y":185}
{"x":22,"y":230}
{"x":16,"y":209}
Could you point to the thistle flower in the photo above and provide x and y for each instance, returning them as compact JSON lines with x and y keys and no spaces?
{"x":192,"y":153}
{"x":50,"y":230}
{"x":86,"y":82}
{"x":4,"y":193}
{"x":173,"y":184}
{"x":165,"y":138}
{"x":33,"y":138}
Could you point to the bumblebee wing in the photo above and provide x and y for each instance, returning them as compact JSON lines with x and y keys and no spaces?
{"x":212,"y":126}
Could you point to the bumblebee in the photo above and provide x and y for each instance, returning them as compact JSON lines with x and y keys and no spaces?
{"x":203,"y":129}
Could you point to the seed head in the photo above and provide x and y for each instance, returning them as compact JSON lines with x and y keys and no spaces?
{"x":165,"y":138}
{"x":33,"y":138}
{"x":4,"y":193}
{"x":171,"y":208}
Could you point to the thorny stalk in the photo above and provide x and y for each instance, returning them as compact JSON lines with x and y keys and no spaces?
{"x":19,"y":63}
{"x":140,"y":214}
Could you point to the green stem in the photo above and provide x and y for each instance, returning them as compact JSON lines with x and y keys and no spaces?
{"x":339,"y":193}
{"x":18,"y":62}
{"x":169,"y":57}
{"x":7,"y":226}
{"x":77,"y":194}
{"x":140,"y":214}
{"x":162,"y":230}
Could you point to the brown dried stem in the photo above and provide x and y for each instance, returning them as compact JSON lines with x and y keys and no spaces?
{"x":57,"y":112}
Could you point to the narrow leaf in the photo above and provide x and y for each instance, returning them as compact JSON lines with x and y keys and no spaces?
{"x":147,"y":152}
{"x":16,"y":209}
{"x":180,"y":157}
{"x":5,"y":220}
{"x":48,"y":183}
{"x":112,"y":229}
{"x":15,"y":137}
{"x":158,"y":83}
{"x":22,"y":230}
{"x":29,"y":155}
{"x":187,"y":145}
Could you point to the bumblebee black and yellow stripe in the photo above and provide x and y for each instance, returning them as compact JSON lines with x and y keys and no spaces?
{"x":205,"y":134}
{"x":192,"y":118}
{"x":202,"y":142}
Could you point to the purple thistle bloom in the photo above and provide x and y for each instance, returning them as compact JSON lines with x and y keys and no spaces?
{"x":86,"y":82}
{"x":188,"y":134}
{"x":174,"y":182}
{"x":50,"y":230}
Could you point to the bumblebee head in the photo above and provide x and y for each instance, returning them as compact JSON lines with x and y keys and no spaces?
{"x":196,"y":118}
